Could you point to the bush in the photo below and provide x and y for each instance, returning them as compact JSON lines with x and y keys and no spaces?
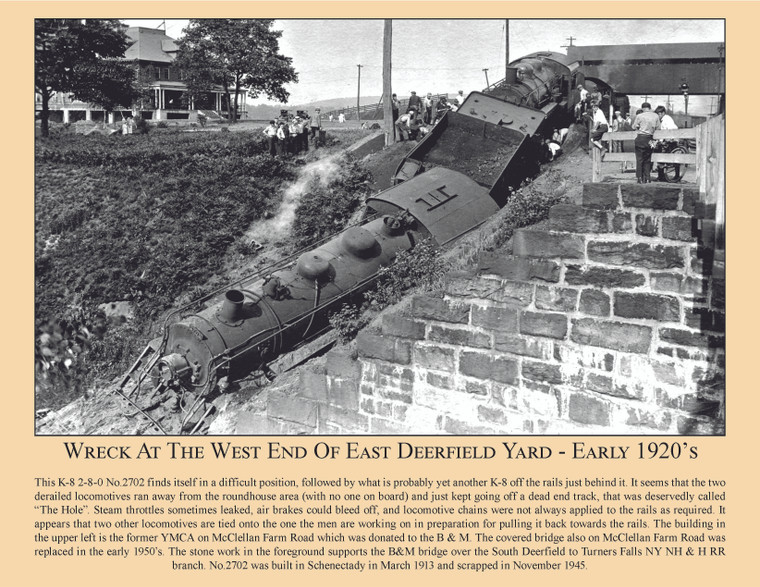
{"x":529,"y":205}
{"x":143,"y":219}
{"x":328,"y":205}
{"x":162,"y":124}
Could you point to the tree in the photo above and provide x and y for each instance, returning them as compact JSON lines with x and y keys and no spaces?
{"x":234,"y":54}
{"x":82,"y":58}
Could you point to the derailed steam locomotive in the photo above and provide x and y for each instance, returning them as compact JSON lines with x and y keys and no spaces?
{"x":452,"y":181}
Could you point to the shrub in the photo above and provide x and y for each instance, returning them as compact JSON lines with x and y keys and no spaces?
{"x":328,"y":205}
{"x":162,"y":124}
{"x":143,"y":219}
{"x":529,"y":205}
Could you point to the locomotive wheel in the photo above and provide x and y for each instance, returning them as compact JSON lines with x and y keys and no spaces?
{"x":672,"y":172}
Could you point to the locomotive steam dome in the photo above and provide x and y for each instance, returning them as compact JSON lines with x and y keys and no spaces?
{"x":360,"y":242}
{"x":313,"y":265}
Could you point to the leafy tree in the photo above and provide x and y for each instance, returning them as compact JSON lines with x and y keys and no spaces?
{"x":235,"y":54}
{"x":82,"y":58}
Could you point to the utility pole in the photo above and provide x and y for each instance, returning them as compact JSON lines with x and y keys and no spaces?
{"x":506,"y":45}
{"x":358,"y":92}
{"x":485,"y":69}
{"x":388,"y":122}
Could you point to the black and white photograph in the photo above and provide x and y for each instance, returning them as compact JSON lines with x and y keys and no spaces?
{"x":379,"y":227}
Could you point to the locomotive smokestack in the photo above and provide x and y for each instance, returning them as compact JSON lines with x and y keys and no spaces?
{"x":232,"y":308}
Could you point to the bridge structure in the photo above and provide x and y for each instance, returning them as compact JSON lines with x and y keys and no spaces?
{"x":658,"y":68}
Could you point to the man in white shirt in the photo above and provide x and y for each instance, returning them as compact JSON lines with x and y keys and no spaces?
{"x":598,"y":125}
{"x":666,"y":121}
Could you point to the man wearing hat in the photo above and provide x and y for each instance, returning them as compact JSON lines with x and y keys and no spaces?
{"x":415,"y":102}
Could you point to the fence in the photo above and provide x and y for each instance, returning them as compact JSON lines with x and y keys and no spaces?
{"x":709,"y":159}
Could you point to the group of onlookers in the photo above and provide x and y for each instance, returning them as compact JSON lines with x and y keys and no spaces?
{"x":289,"y":134}
{"x":645,"y":123}
{"x":421,"y":113}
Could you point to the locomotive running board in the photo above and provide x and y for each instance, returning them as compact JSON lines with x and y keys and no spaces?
{"x":303,"y":353}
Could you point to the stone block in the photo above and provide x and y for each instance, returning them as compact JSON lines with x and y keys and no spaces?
{"x":586,"y":409}
{"x":459,"y":337}
{"x":441,"y":310}
{"x":504,"y":396}
{"x":594,"y":302}
{"x":603,"y":276}
{"x":493,"y":416}
{"x":520,"y":345}
{"x":518,"y":268}
{"x":666,"y":281}
{"x":681,"y":228}
{"x":618,"y":336}
{"x":543,"y":324}
{"x":495,"y":318}
{"x":667,"y":373}
{"x":636,"y":254}
{"x":347,"y":420}
{"x":559,"y":299}
{"x":621,"y":222}
{"x":341,"y":362}
{"x":705,"y":319}
{"x":690,"y":338}
{"x":374,"y":346}
{"x":647,"y":225}
{"x":435,"y":357}
{"x":647,"y":306}
{"x":439,"y":381}
{"x":529,"y":242}
{"x":383,"y":426}
{"x":313,"y":385}
{"x":488,"y":367}
{"x":546,"y":372}
{"x":460,"y":427}
{"x":659,"y":420}
{"x":689,"y":198}
{"x":571,"y":218}
{"x":601,"y":196}
{"x":293,"y":408}
{"x":655,"y":196}
{"x":403,"y":327}
{"x":718,"y":294}
{"x":476,"y":388}
{"x":343,"y":393}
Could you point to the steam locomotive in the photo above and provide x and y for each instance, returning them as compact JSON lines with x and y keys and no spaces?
{"x":453,"y":180}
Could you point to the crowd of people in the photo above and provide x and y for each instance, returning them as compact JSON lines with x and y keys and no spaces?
{"x":291,"y":134}
{"x":421,"y":113}
{"x":590,"y":108}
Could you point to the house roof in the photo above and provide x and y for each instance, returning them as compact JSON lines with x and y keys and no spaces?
{"x":150,"y":45}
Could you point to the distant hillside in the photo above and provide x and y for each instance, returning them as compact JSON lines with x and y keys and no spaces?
{"x":265,"y":111}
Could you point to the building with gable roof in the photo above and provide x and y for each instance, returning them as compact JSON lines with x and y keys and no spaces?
{"x":153,"y":52}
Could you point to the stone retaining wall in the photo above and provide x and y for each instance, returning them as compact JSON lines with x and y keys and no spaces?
{"x":609,"y":318}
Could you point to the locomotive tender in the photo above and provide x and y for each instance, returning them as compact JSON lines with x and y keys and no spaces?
{"x":453,"y":180}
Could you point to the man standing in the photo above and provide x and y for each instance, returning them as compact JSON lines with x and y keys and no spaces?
{"x":271,"y":134}
{"x":316,"y":126}
{"x":646,"y":123}
{"x":428,"y":108}
{"x":414,"y":102}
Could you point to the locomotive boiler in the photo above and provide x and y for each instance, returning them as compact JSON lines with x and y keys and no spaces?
{"x":453,"y":180}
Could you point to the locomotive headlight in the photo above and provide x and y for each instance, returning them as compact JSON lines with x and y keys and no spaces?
{"x":172,"y":367}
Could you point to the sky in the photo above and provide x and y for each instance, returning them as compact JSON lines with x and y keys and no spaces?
{"x":445,"y":55}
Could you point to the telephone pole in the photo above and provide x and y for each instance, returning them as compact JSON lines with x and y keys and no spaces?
{"x":506,"y":44}
{"x":390,"y":135}
{"x":358,"y":91}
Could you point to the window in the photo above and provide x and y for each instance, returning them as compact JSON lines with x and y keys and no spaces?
{"x":166,"y":73}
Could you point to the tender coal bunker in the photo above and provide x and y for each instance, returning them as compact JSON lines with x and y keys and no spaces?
{"x":473,"y":151}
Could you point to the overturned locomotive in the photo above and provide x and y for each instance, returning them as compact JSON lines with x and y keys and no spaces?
{"x":452,"y":181}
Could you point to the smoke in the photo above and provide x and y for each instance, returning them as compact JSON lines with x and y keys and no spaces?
{"x":278,"y":227}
